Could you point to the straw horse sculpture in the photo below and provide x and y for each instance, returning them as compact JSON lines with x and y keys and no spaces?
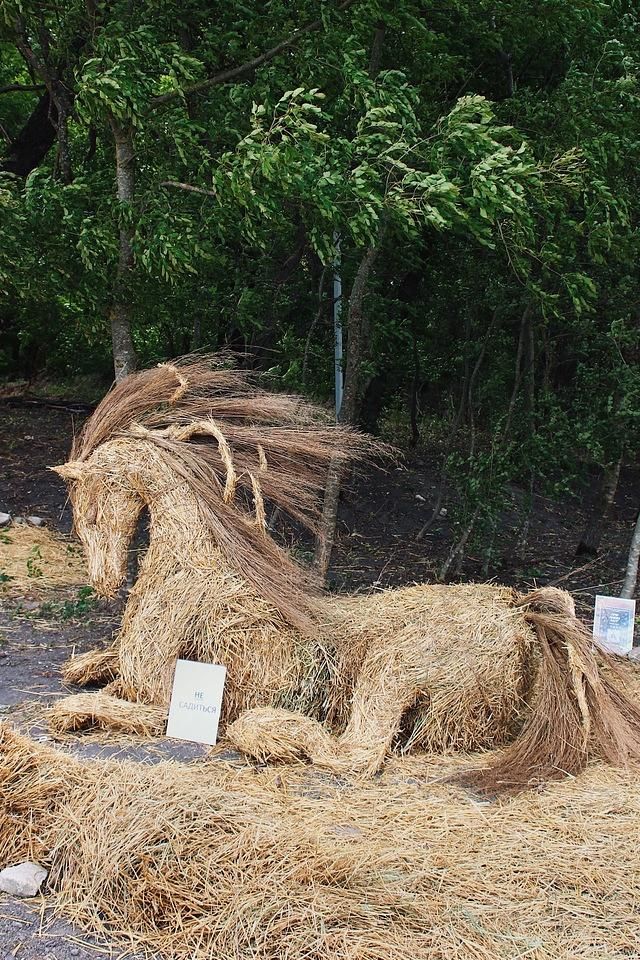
{"x":339,"y":680}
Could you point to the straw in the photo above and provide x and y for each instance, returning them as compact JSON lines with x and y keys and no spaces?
{"x":431,"y":667}
{"x":203,"y":861}
{"x":33,"y":559}
{"x":107,"y":713}
{"x":93,"y":667}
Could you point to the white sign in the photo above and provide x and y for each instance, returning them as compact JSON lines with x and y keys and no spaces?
{"x":196,"y":701}
{"x":613,"y":623}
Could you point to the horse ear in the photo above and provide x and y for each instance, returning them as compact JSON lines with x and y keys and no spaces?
{"x":72,"y":470}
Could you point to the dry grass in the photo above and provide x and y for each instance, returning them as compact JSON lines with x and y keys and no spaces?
{"x":204,"y":861}
{"x":92,"y":667}
{"x":35,"y":559}
{"x":106,"y":712}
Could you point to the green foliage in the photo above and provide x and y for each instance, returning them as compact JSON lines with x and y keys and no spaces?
{"x":491,"y":150}
{"x":33,"y":568}
{"x":77,"y":608}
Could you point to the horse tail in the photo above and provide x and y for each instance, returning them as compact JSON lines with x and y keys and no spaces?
{"x":575,"y":713}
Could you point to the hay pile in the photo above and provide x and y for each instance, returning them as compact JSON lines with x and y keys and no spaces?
{"x":204,"y":861}
{"x":33,"y":559}
{"x":100,"y":710}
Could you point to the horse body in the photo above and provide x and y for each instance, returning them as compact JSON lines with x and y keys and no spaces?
{"x":440,"y":646}
{"x":341,"y":680}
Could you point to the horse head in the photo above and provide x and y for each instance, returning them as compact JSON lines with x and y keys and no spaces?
{"x":208,"y":450}
{"x":106,"y":503}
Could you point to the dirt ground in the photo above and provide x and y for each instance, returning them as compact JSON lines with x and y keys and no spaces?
{"x":28,"y":931}
{"x":37,"y":634}
{"x":376,"y":547}
{"x":381,"y":514}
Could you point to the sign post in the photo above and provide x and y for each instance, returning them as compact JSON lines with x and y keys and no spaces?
{"x":613,"y":624}
{"x":196,"y":701}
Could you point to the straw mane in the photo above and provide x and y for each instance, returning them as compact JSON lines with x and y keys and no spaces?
{"x":237,"y":446}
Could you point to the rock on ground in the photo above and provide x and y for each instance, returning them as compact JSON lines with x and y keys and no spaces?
{"x":23,"y":880}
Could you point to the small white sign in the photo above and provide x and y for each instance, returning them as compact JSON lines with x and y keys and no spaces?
{"x":613,"y":623}
{"x":196,"y":701}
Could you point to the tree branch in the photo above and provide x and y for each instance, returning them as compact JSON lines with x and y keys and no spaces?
{"x":22,"y":87}
{"x":36,"y":68}
{"x":31,"y":145}
{"x":187,"y":186}
{"x":235,"y":73}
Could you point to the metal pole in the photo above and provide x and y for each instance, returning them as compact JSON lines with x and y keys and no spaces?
{"x":337,"y":326}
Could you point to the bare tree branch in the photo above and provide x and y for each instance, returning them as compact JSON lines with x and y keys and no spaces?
{"x":187,"y":186}
{"x":235,"y":73}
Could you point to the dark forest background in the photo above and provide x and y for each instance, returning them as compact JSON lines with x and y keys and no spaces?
{"x":181,"y":176}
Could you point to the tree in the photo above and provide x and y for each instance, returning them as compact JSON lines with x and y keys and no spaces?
{"x":631,"y":573}
{"x":179,"y":181}
{"x":125,"y":59}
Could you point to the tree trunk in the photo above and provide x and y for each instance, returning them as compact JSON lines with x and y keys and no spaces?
{"x":415,"y":388}
{"x":196,"y":332}
{"x":631,"y":576}
{"x":601,"y":510}
{"x":530,"y":398}
{"x":530,"y":366}
{"x":517,"y":377}
{"x":350,"y":401}
{"x":465,"y":405}
{"x":375,"y":59}
{"x":506,"y":61}
{"x":458,"y":548}
{"x":472,"y":383}
{"x":64,"y":154}
{"x":34,"y":141}
{"x":522,"y":539}
{"x":442,"y":480}
{"x":124,"y":354}
{"x":313,"y":325}
{"x":355,"y":334}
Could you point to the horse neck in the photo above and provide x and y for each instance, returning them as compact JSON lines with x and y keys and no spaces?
{"x":179,"y":537}
{"x":177,"y":531}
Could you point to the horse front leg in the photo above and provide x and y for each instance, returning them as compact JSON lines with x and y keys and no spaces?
{"x":95,"y":668}
{"x":151,"y":639}
{"x":138,"y":662}
{"x":137,"y":698}
{"x":385,"y":689}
